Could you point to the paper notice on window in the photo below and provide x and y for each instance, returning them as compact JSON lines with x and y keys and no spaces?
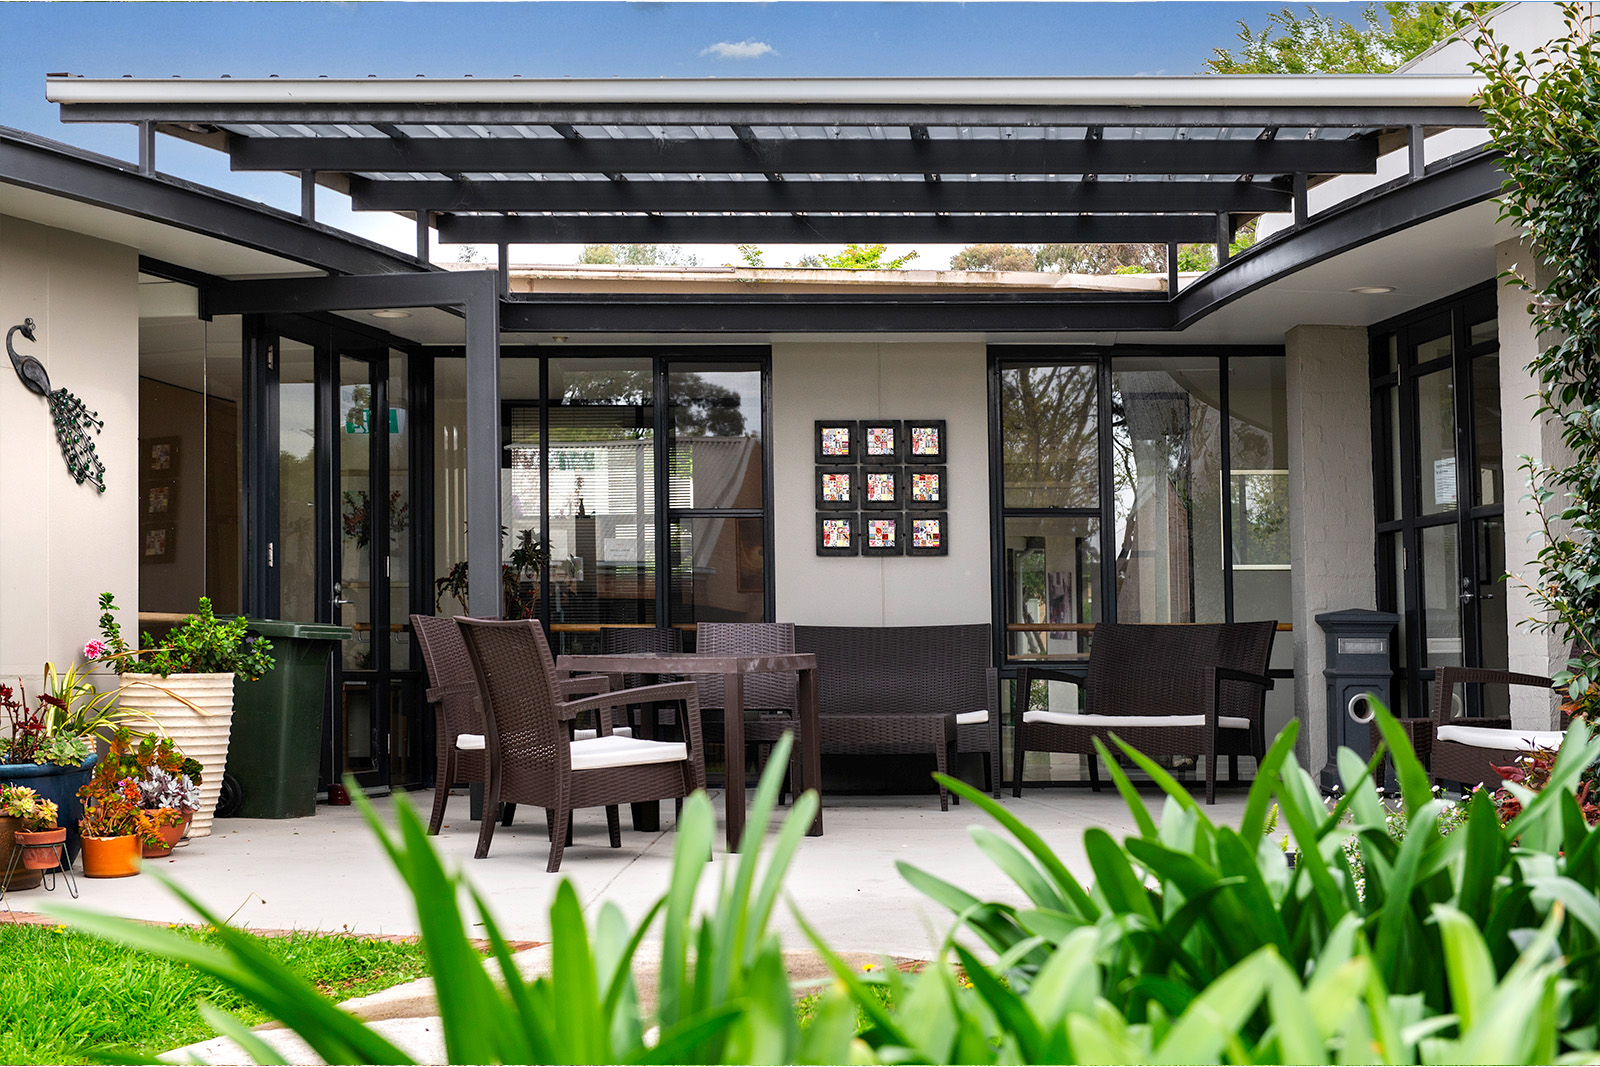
{"x":1444,"y":481}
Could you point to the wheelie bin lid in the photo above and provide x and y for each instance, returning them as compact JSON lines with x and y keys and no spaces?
{"x":313,"y":631}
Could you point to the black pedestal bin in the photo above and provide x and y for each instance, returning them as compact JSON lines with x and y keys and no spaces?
{"x":277,"y":721}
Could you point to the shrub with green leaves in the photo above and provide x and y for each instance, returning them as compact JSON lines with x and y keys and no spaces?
{"x":200,"y":644}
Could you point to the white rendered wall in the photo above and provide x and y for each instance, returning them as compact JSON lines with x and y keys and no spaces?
{"x":1330,"y":504}
{"x":821,"y":380}
{"x":62,"y":543}
{"x":1524,"y":434}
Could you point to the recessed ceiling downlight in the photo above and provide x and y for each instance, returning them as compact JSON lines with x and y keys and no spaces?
{"x":1373,"y":290}
{"x":391,"y":313}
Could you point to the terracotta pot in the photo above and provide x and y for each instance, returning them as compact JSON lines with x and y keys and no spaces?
{"x":110,"y":857}
{"x":58,"y":784}
{"x":171,"y":835}
{"x":21,"y":878}
{"x":201,"y":735}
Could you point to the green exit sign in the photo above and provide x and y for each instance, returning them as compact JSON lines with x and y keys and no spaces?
{"x":360,"y":421}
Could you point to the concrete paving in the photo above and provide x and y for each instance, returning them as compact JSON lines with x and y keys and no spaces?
{"x":328,"y":872}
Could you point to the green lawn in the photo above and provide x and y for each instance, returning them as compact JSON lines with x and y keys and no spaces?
{"x":64,"y":994}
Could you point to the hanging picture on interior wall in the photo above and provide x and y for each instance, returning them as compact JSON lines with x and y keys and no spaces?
{"x":160,"y":500}
{"x":928,"y":535}
{"x":837,"y":535}
{"x":925,"y":488}
{"x":161,"y":456}
{"x":157,"y":542}
{"x":882,"y":442}
{"x":836,"y":489}
{"x":750,"y":541}
{"x":884,"y":536}
{"x":880,"y":488}
{"x":925,"y":441}
{"x":836,"y":441}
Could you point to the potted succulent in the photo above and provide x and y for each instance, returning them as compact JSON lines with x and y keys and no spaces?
{"x":116,"y":826}
{"x":29,"y":824}
{"x":185,"y":686}
{"x":169,"y":786}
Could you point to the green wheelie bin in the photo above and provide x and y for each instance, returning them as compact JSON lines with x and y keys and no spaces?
{"x":276,"y":742}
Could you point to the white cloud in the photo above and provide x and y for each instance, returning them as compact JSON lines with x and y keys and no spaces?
{"x":738,"y":49}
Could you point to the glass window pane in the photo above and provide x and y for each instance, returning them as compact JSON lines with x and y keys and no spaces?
{"x":1049,"y":436}
{"x":1052,"y":575}
{"x":1493,"y":624}
{"x":715,"y":421}
{"x":1436,"y":347}
{"x":1489,"y":486}
{"x":521,"y":488}
{"x":296,"y":558}
{"x":719,"y":569}
{"x":1436,"y":443}
{"x":1441,"y":598}
{"x":354,"y":566}
{"x":1388,"y":401}
{"x":399,"y":562}
{"x":224,"y":464}
{"x":1167,"y":464}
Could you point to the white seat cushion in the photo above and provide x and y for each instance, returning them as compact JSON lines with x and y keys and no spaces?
{"x":469,"y":742}
{"x":1493,"y":737}
{"x":614,"y":751}
{"x":972,"y":718}
{"x":1067,"y":718}
{"x":590,"y":735}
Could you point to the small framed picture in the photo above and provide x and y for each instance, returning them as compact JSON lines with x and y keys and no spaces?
{"x":837,"y":488}
{"x":882,"y":488}
{"x":161,"y":500}
{"x":838,"y":535}
{"x":837,"y":441}
{"x":925,"y":441}
{"x":161,"y":456}
{"x":928,"y":535}
{"x":925,"y":488}
{"x":884,"y":535}
{"x":882,"y":442}
{"x":157,"y":542}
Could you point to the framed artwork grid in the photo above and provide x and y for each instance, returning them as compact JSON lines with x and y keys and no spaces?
{"x":881,"y":488}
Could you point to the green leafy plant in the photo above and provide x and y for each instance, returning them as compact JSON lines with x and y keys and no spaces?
{"x":20,"y":802}
{"x":112,"y":804}
{"x":200,"y":644}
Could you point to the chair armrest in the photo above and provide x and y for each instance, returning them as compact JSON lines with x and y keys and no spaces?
{"x":1445,"y":679}
{"x":1217,"y":675}
{"x":444,"y":692}
{"x":584,"y":684}
{"x":603,"y":703}
{"x":1233,"y":674}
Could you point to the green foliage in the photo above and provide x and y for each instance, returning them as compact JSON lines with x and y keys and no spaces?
{"x":20,"y":802}
{"x":638,"y":255}
{"x":1316,"y":43}
{"x":858,"y":257}
{"x":1543,"y":113}
{"x":996,"y":257}
{"x":200,"y":644}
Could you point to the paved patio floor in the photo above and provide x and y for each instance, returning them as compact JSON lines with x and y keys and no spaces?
{"x":327,"y":872}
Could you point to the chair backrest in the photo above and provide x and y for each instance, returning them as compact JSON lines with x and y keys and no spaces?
{"x":517,"y":680}
{"x":1154,"y":669}
{"x":764,"y":692}
{"x":444,"y":653}
{"x":900,"y":670}
{"x":625,"y":640}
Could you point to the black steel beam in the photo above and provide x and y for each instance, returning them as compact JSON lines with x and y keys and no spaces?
{"x":658,"y":114}
{"x":824,"y":229}
{"x":49,"y":167}
{"x":1034,"y":197}
{"x":759,"y":313}
{"x":846,"y":156}
{"x":305,"y":295}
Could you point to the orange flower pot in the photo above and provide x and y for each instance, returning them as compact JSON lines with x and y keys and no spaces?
{"x":41,"y":849}
{"x":110,"y":857}
{"x":169,"y":834}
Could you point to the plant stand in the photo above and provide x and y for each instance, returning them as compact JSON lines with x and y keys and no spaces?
{"x":63,"y":866}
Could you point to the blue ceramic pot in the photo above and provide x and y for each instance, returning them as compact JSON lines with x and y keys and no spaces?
{"x":60,"y":784}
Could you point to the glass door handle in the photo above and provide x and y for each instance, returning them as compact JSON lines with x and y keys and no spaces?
{"x":338,"y":594}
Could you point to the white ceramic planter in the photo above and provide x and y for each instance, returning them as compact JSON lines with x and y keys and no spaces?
{"x":201,"y":735}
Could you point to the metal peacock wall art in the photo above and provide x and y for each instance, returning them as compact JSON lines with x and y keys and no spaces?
{"x":74,"y":422}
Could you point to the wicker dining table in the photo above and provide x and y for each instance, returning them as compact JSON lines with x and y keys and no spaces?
{"x":733,"y":670}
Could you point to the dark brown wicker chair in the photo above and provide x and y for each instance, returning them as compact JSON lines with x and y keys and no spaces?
{"x":771,"y":701}
{"x":458,"y":719}
{"x":1467,"y":751}
{"x":531,"y":755}
{"x":1167,"y":690}
{"x":626,"y":640}
{"x":901,"y":689}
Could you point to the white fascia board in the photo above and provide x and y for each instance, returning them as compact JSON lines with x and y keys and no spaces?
{"x":1309,"y":90}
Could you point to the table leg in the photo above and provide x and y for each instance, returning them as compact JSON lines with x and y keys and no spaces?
{"x":811,"y":745}
{"x":733,"y":758}
{"x":646,"y":814}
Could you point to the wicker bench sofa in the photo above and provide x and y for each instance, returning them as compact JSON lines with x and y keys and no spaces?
{"x":907,"y":689}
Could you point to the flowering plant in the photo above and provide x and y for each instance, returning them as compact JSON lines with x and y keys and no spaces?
{"x":113,"y":805}
{"x":20,"y":802}
{"x":200,"y":644}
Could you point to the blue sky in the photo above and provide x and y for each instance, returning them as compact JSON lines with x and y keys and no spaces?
{"x":594,"y":39}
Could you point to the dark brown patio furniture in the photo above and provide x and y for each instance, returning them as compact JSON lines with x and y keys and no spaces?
{"x":622,"y":640}
{"x":1167,"y":690}
{"x":771,"y":701}
{"x":532,"y":756}
{"x":458,"y":720}
{"x":1467,"y":751}
{"x":907,"y":689}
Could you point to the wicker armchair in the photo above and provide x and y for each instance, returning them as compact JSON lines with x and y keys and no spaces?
{"x":1166,"y":690}
{"x":626,"y":640}
{"x":1467,"y":751}
{"x":532,"y":755}
{"x":458,"y":718}
{"x":906,"y":689}
{"x":771,"y":701}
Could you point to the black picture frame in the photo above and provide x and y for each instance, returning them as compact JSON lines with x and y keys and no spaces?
{"x":913,"y":523}
{"x":852,"y":477}
{"x":897,"y":483}
{"x":852,"y":524}
{"x":160,"y":501}
{"x":162,"y":457}
{"x":158,"y":542}
{"x":852,"y":429}
{"x":938,"y":427}
{"x":897,"y":435}
{"x":897,"y":526}
{"x":939,"y":502}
